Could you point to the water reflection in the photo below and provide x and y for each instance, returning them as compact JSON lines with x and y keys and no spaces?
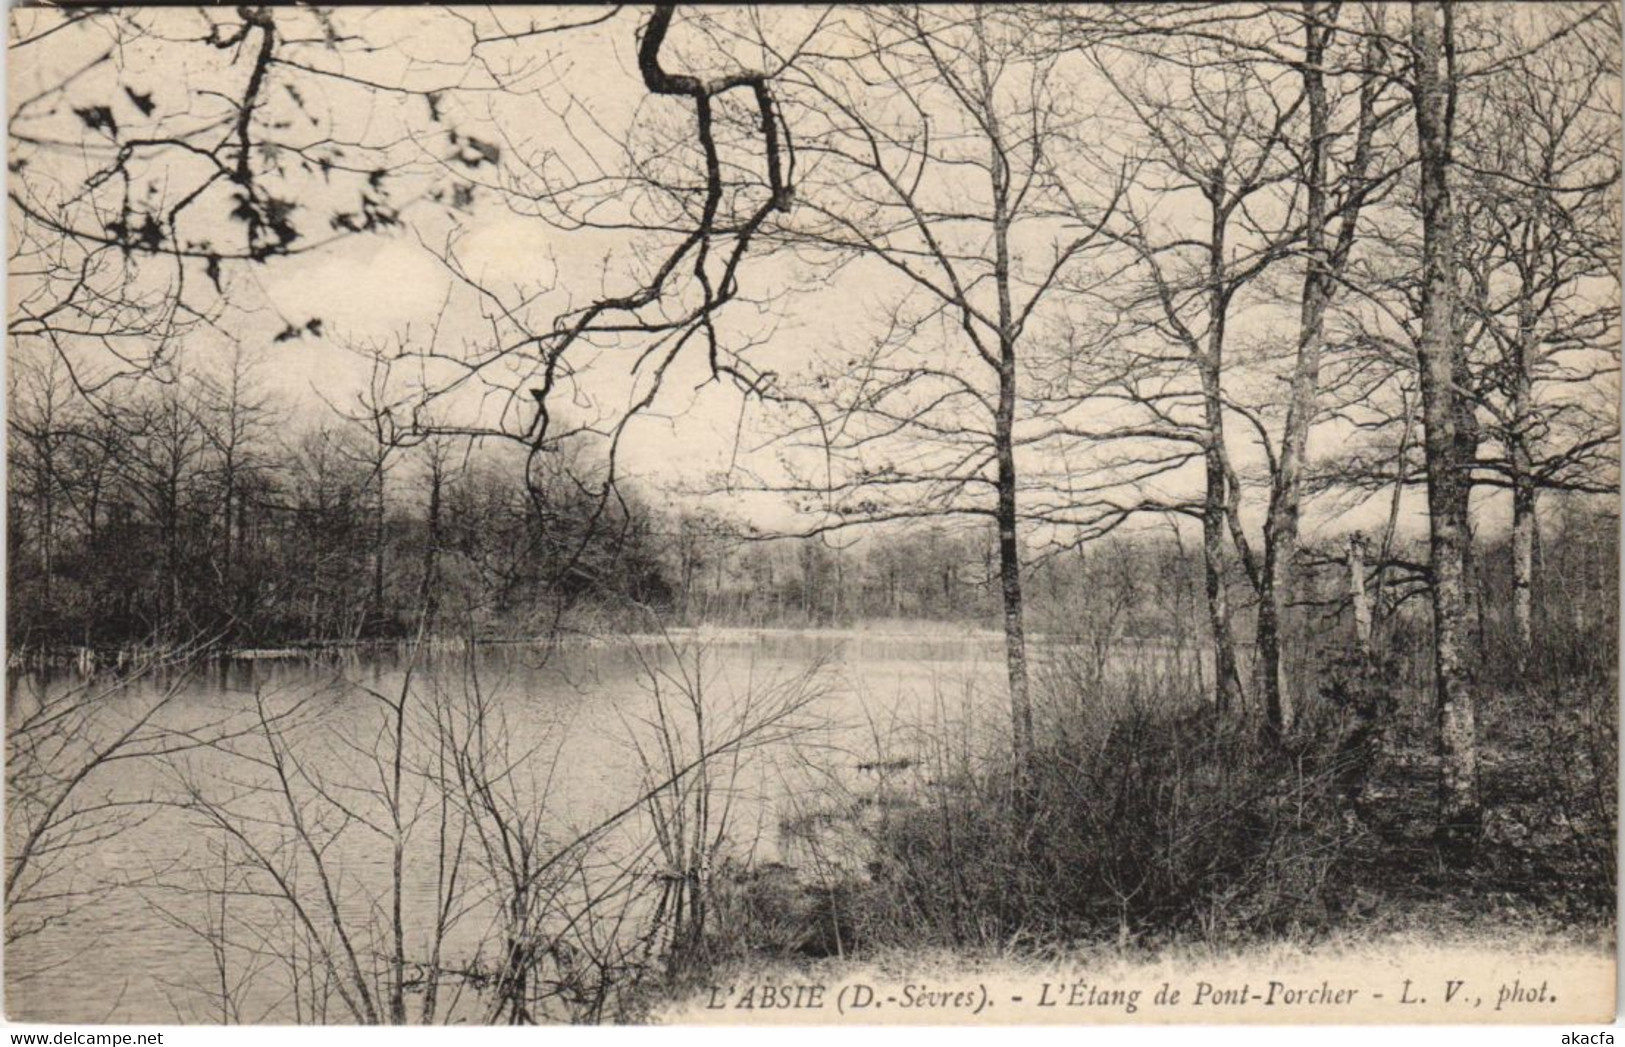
{"x":148,"y":948}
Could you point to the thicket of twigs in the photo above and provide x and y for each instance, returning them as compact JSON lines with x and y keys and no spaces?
{"x":1145,"y":819}
{"x":394,"y":852}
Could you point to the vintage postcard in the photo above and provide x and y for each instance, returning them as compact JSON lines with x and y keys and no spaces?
{"x":1033,"y":514}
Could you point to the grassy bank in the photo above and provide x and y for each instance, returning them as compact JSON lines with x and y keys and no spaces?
{"x":1150,"y":831}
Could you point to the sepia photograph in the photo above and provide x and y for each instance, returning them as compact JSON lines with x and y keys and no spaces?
{"x":952,"y":515}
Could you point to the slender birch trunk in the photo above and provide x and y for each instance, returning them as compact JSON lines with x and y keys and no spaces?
{"x":1357,"y":595}
{"x":1015,"y":640}
{"x":1447,"y":484}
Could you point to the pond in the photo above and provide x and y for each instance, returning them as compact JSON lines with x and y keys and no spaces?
{"x":274,"y":777}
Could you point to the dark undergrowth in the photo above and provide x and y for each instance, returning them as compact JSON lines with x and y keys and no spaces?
{"x":1147,"y":821}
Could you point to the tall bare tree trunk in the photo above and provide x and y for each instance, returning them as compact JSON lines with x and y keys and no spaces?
{"x":1281,"y":523}
{"x":1523,"y":490}
{"x":1004,"y":421}
{"x":1015,"y":640}
{"x":1442,"y":411}
{"x":1216,"y":501}
{"x":378,"y":535}
{"x":46,"y":497}
{"x":1523,"y":567}
{"x":429,"y":591}
{"x":1227,"y":692}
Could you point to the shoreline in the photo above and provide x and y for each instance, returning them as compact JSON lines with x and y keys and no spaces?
{"x":899,"y":630}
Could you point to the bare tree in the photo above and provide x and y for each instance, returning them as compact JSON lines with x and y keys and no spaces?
{"x":934,"y":157}
{"x":1217,"y":137}
{"x":41,"y":420}
{"x":237,"y":417}
{"x":1333,"y":202}
{"x":1539,"y":215}
{"x":378,"y":440}
{"x":1446,"y":415}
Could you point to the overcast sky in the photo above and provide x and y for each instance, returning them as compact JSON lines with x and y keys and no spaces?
{"x":567,"y":103}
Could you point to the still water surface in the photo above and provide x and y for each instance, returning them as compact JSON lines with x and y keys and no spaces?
{"x":142,"y":952}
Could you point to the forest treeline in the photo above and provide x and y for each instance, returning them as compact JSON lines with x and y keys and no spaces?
{"x":194,"y":509}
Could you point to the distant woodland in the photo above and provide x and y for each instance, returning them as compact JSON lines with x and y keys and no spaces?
{"x":195,"y":509}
